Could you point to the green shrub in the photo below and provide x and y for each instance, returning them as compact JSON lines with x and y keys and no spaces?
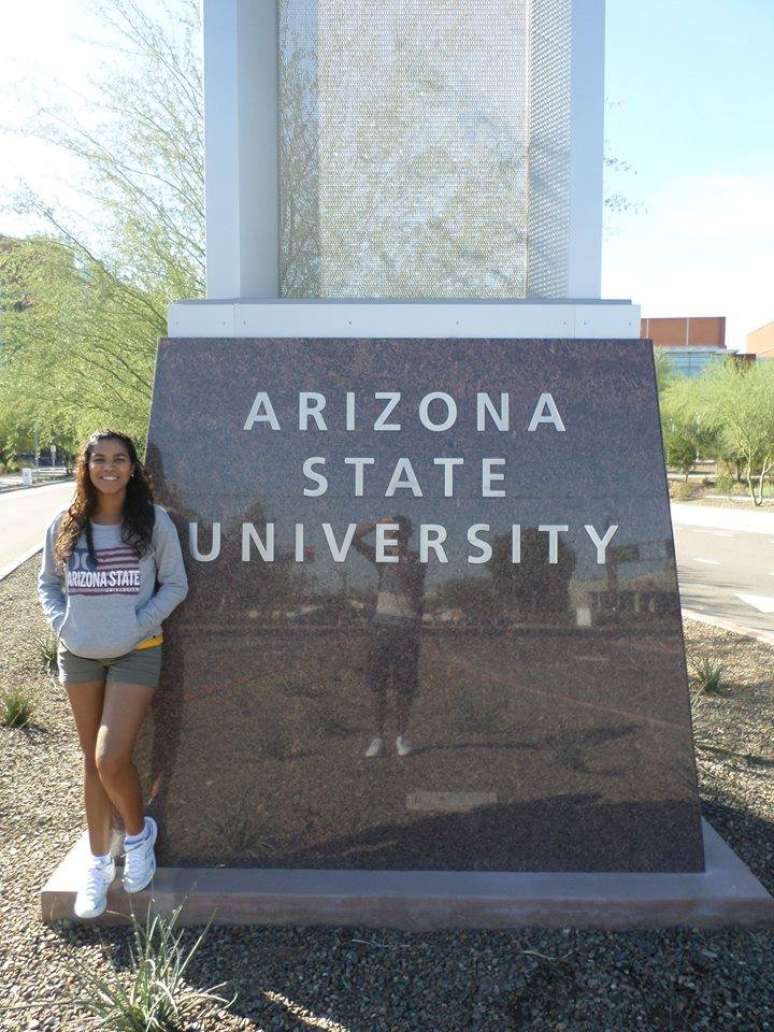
{"x":724,"y":484}
{"x":47,"y":653}
{"x":681,"y":452}
{"x":16,"y":708}
{"x":150,"y":995}
{"x":679,"y":491}
{"x":708,"y":675}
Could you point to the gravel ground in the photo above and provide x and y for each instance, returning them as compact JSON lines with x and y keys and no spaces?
{"x":362,"y":980}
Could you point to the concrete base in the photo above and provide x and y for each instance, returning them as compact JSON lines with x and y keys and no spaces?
{"x":525,"y":318}
{"x":726,"y":894}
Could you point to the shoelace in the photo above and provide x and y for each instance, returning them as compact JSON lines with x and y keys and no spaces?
{"x":134,"y":859}
{"x":95,"y":880}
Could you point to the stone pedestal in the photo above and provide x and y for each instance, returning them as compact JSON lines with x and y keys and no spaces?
{"x":726,"y":893}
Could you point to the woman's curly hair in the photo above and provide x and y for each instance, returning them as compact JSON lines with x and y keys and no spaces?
{"x":139,"y":515}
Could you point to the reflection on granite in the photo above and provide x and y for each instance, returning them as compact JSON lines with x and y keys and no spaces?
{"x":543,"y":692}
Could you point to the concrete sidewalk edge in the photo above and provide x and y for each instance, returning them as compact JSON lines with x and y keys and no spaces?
{"x":20,"y":561}
{"x":767,"y":637}
{"x":5,"y":488}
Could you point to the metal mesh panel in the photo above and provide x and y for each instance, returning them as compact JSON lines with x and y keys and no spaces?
{"x":405,"y":140}
{"x":299,"y":150}
{"x":549,"y":147}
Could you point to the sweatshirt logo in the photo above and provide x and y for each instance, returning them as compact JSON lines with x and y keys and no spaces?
{"x":117,"y":572}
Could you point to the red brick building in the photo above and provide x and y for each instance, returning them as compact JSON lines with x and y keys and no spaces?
{"x":692,"y":343}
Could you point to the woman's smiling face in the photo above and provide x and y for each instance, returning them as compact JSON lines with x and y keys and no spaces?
{"x":110,"y":466}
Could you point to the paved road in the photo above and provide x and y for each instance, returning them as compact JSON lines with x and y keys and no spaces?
{"x":725,"y":562}
{"x":725,"y":557}
{"x":24,"y":516}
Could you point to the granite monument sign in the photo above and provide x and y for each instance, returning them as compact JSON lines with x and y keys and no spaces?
{"x":466,"y":542}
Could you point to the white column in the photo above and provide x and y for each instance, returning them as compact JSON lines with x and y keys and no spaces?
{"x":241,"y":148}
{"x":587,"y":113}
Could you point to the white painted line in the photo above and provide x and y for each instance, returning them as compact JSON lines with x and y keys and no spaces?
{"x":721,"y":533}
{"x":17,"y":562}
{"x":709,"y":562}
{"x":763,"y":603}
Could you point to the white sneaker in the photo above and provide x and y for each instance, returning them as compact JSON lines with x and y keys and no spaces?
{"x":140,"y":860}
{"x":402,"y":745}
{"x":376,"y":747}
{"x":91,"y":897}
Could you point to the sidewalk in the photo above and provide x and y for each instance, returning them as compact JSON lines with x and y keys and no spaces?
{"x":13,"y":481}
{"x":24,"y":516}
{"x":688,"y":515}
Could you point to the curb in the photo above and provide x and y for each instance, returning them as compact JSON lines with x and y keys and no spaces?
{"x":18,"y":562}
{"x":767,"y":637}
{"x":28,"y":487}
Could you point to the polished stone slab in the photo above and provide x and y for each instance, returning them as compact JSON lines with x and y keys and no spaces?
{"x":725,"y":894}
{"x":544,"y":690}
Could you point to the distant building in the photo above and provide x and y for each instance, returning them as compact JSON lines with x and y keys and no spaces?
{"x":692,"y":344}
{"x":761,"y":341}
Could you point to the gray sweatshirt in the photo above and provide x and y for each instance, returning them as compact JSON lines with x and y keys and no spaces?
{"x":105,"y":611}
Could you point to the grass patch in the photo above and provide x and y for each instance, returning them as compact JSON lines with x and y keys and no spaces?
{"x":16,"y":708}
{"x":707,"y":674}
{"x":151,"y":994}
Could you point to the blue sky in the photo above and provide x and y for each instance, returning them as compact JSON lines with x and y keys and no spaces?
{"x":690,"y":91}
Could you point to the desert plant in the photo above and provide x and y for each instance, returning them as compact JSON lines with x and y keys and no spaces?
{"x":679,"y":491}
{"x":681,"y":451}
{"x":708,"y":675}
{"x":15,"y":708}
{"x":738,"y":403}
{"x":724,"y":484}
{"x":47,"y":645}
{"x":151,"y":995}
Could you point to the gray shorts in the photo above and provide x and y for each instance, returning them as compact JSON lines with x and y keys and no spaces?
{"x":141,"y":666}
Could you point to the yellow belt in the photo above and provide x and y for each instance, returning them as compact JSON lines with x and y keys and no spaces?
{"x":149,"y":642}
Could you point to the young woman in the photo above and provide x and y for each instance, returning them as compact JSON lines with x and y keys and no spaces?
{"x":112,"y":571}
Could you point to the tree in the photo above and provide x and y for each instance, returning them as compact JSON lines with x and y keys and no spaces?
{"x":738,"y":401}
{"x":666,"y":371}
{"x":77,"y":354}
{"x":80,"y":350}
{"x":689,"y":430}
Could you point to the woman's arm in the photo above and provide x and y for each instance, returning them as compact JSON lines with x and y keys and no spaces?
{"x":50,"y":581}
{"x":170,"y":573}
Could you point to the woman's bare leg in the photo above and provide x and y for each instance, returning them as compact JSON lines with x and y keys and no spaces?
{"x":86,"y":701}
{"x":122,"y":714}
